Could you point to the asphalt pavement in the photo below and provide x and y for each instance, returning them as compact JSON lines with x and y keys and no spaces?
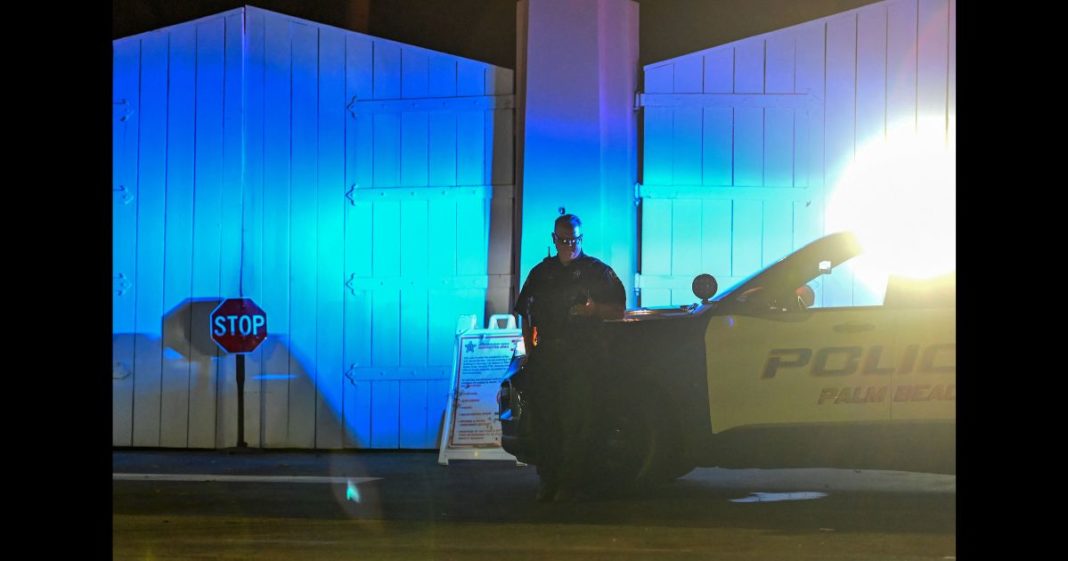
{"x":171,"y":504}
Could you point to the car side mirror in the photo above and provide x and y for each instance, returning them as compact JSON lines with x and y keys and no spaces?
{"x":704,"y":287}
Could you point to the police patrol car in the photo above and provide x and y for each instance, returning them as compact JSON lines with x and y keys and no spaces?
{"x":759,"y":377}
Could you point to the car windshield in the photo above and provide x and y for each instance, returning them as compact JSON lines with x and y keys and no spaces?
{"x":781,"y":284}
{"x":797,"y":268}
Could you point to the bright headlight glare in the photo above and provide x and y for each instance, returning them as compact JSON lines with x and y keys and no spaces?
{"x":899,"y":197}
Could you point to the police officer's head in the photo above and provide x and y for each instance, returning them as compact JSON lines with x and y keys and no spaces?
{"x":567,"y":236}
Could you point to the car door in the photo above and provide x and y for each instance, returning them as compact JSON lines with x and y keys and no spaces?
{"x":925,"y":380}
{"x":825,"y":365}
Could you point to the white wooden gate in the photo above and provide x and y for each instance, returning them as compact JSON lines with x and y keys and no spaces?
{"x":348,"y":184}
{"x":742,"y":141}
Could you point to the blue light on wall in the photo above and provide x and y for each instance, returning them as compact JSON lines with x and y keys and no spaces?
{"x":265,"y":177}
{"x":580,"y":130}
{"x":754,"y":148}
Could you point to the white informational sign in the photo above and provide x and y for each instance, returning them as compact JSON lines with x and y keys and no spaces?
{"x":480,"y":361}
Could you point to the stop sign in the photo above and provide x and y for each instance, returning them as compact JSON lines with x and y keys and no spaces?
{"x":238,"y":325}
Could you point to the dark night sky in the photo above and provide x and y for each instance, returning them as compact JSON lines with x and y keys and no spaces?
{"x":485,"y":29}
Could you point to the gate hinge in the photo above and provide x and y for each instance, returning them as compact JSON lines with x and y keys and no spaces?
{"x":122,"y":284}
{"x":349,"y":285}
{"x":129,"y":109}
{"x":119,"y":371}
{"x":127,"y":197}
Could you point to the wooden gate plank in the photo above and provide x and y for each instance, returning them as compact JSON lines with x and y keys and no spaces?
{"x":178,"y":283}
{"x":331,"y":251}
{"x":718,"y":146}
{"x":356,"y":409}
{"x":303,"y":238}
{"x":414,"y":243}
{"x":386,"y":302}
{"x":901,"y":69}
{"x":231,"y":230}
{"x":385,"y":410}
{"x":413,"y":413}
{"x":207,"y":220}
{"x":749,"y":121}
{"x":437,"y":396}
{"x":442,"y":263}
{"x":442,"y":71}
{"x":253,"y":205}
{"x":686,"y":148}
{"x":810,"y":79}
{"x":151,"y":216}
{"x":951,"y":97}
{"x":746,"y":247}
{"x":778,"y":231}
{"x":871,"y":75}
{"x":385,"y":313}
{"x":716,"y":239}
{"x":779,"y":122}
{"x":719,"y":70}
{"x":932,"y":72}
{"x":659,"y":129}
{"x":686,"y":248}
{"x":276,"y":226}
{"x":414,"y":125}
{"x":656,"y":236}
{"x":840,"y":127}
{"x":386,"y":148}
{"x":125,"y":126}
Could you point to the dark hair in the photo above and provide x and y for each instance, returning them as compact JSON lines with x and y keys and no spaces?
{"x":571,"y":219}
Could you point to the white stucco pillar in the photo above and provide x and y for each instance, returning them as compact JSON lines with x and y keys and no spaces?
{"x":576,"y":145}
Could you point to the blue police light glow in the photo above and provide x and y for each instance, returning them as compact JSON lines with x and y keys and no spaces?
{"x":294,"y":258}
{"x":571,"y":176}
{"x":576,"y":190}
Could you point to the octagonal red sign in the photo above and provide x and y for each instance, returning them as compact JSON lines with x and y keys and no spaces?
{"x":238,"y":325}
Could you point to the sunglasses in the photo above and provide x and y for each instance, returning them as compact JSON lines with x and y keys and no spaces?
{"x":571,"y":242}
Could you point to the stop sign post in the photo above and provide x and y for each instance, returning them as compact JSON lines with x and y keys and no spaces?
{"x":238,"y":326}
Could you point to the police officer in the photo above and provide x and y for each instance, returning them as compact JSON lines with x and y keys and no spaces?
{"x":563,"y":302}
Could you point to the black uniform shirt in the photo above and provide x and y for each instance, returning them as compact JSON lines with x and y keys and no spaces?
{"x":552,"y":288}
